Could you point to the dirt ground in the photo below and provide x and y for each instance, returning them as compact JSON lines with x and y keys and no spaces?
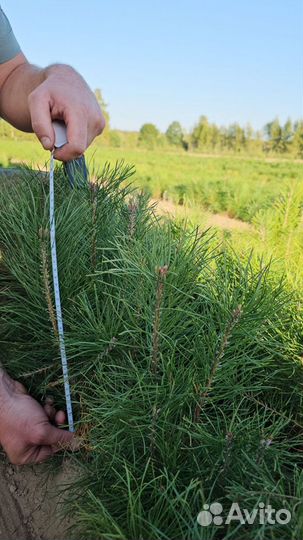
{"x":220,"y":221}
{"x":31,"y":501}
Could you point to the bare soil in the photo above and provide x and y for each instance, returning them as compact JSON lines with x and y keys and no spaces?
{"x":31,"y":502}
{"x":221,"y":221}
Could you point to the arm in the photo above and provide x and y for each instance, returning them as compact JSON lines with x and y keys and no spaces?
{"x":26,"y":432}
{"x":30,"y":98}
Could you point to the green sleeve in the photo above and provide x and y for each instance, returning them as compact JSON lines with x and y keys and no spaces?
{"x":9,"y":47}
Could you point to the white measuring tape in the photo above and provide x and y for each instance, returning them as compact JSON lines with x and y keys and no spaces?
{"x":69,"y":408}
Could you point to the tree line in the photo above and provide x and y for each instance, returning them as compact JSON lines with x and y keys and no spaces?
{"x":274,"y":138}
{"x":208,"y":137}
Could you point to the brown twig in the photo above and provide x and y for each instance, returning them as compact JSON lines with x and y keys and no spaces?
{"x":133,"y":210}
{"x":37,"y":371}
{"x":109,"y":348}
{"x":162,"y":273}
{"x":227,"y":451}
{"x":44,"y":233}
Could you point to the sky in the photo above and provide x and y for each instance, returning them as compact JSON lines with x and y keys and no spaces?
{"x":164,"y":60}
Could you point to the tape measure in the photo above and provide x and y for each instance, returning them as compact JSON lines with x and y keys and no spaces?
{"x":77,"y":174}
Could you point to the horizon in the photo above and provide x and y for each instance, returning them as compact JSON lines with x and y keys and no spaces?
{"x":163,"y":63}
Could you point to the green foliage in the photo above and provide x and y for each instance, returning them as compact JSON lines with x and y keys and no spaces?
{"x":115,"y":139}
{"x":175,"y":134}
{"x":185,"y":362}
{"x":206,"y":136}
{"x":298,"y":139}
{"x":279,"y":137}
{"x":149,"y":136}
{"x":106,"y":135}
{"x":280,"y":233}
{"x":276,"y":235}
{"x":235,"y":138}
{"x":103,"y":105}
{"x":201,"y":133}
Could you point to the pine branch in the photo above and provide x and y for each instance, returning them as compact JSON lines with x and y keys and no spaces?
{"x":236,"y":314}
{"x":37,"y":371}
{"x":274,"y":411}
{"x":227,"y":452}
{"x":94,"y":202}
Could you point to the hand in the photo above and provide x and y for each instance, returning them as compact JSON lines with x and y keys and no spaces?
{"x":64,"y":95}
{"x":26,"y":432}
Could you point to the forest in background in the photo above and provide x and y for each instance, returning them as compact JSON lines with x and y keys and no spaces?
{"x":274,"y":139}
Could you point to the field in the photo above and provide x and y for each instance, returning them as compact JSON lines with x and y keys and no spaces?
{"x":238,"y":186}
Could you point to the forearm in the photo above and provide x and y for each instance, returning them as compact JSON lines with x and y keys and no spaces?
{"x":14,"y":91}
{"x":21,"y":82}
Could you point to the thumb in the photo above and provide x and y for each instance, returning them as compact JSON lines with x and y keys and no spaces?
{"x":57,"y":437}
{"x":39,"y":108}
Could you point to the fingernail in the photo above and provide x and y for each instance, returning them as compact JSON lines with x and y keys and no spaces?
{"x":46,"y":142}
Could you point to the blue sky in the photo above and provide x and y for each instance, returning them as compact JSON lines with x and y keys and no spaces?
{"x":164,"y":60}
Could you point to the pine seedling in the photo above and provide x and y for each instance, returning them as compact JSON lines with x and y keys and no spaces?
{"x":185,"y":361}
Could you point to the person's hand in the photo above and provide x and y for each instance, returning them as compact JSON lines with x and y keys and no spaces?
{"x":64,"y":95}
{"x":26,"y":432}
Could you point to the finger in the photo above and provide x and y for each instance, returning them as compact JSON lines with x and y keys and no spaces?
{"x":96,"y":125}
{"x":33,"y":454}
{"x":39,"y":107}
{"x":57,"y":437}
{"x":60,"y":418}
{"x":77,"y":134}
{"x":20,"y":388}
{"x":50,"y":411}
{"x":49,"y":408}
{"x":75,"y":445}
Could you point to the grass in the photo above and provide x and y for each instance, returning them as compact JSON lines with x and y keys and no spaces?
{"x":238,"y":186}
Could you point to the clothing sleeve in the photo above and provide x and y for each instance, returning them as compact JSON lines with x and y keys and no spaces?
{"x":9,"y":47}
